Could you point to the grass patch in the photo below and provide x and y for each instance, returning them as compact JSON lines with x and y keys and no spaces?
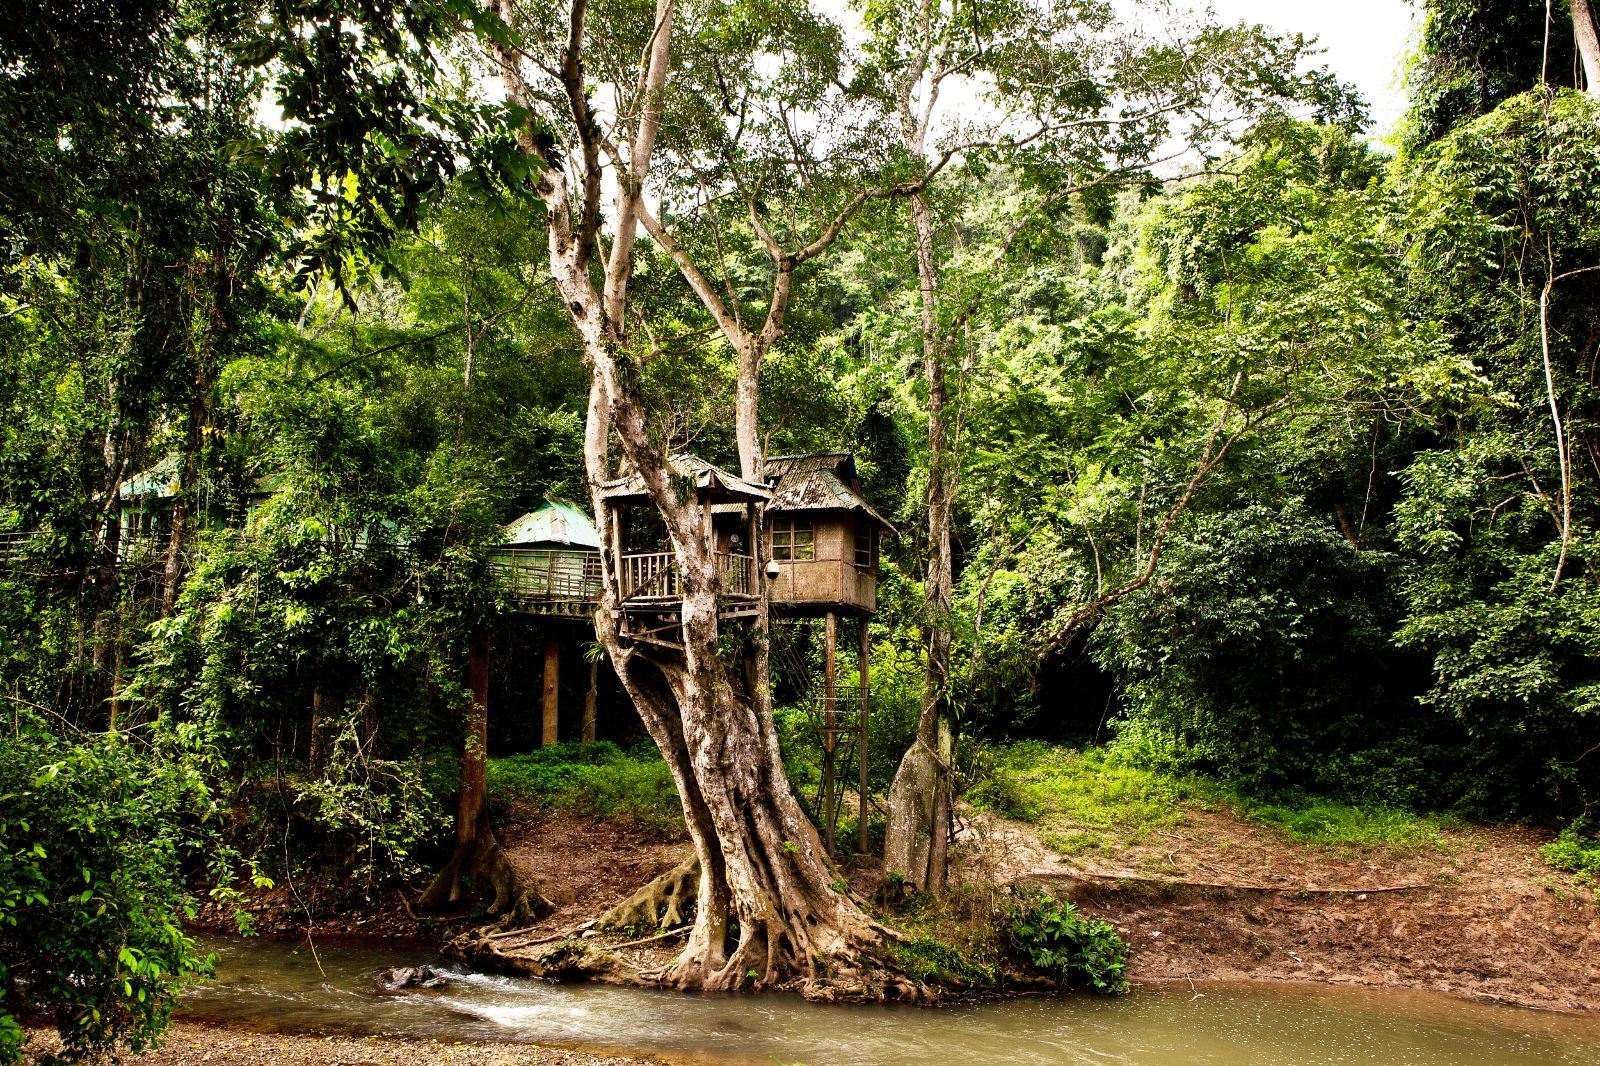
{"x":1092,"y":801}
{"x":1087,"y":790}
{"x":1324,"y":822}
{"x":598,"y":779}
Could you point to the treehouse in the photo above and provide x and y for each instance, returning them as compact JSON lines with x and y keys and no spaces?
{"x":647,"y":570}
{"x":821,"y":542}
{"x":823,"y":536}
{"x":145,"y":503}
{"x":550,"y":562}
{"x":144,"y":510}
{"x":550,"y":565}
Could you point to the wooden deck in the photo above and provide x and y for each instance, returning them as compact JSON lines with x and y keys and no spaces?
{"x":567,"y":583}
{"x":557,"y":582}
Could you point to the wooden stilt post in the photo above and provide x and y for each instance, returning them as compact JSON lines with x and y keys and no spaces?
{"x":861,"y":732}
{"x":591,"y":699}
{"x":830,"y":695}
{"x":552,"y":690}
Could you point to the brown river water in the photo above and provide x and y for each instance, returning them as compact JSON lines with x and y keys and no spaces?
{"x":273,"y":986}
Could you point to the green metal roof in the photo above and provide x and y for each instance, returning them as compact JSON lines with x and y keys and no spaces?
{"x":160,"y":481}
{"x":554,"y":523}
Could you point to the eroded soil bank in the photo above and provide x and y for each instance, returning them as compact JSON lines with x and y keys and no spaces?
{"x":1477,"y":914}
{"x":1473,"y":913}
{"x":1212,"y":896}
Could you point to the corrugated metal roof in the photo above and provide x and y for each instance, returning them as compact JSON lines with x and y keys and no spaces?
{"x":821,"y":490}
{"x":553,"y":522}
{"x":842,"y":464}
{"x":160,"y":481}
{"x":707,"y":478}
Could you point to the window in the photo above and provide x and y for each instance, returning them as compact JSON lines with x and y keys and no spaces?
{"x":792,"y":538}
{"x":865,"y":543}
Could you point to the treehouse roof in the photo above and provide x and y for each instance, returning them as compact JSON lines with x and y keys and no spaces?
{"x":824,"y":481}
{"x":553,"y":522}
{"x":160,"y":481}
{"x":843,"y":465}
{"x":710,"y":483}
{"x":821,"y":490}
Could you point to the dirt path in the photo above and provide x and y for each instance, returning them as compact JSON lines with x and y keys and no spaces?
{"x":1216,"y":897}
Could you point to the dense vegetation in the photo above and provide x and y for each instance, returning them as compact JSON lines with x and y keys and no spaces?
{"x":1281,"y":473}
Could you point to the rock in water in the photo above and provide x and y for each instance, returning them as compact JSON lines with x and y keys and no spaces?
{"x":403,"y":977}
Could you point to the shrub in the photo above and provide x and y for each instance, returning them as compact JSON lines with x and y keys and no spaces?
{"x":371,"y":815}
{"x":92,"y":842}
{"x":1573,"y":854}
{"x":1075,"y":951}
{"x":934,"y":961}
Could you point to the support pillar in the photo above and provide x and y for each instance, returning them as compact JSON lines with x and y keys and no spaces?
{"x":861,"y":732}
{"x":830,"y":737}
{"x":552,"y":691}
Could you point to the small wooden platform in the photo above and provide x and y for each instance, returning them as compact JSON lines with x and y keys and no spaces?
{"x":567,"y":583}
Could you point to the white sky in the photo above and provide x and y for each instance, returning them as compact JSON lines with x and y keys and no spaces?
{"x":1363,"y":41}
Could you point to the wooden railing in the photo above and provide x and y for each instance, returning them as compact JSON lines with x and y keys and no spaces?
{"x":734,"y":574}
{"x":654,"y":576}
{"x":569,"y":575}
{"x":16,"y":547}
{"x":650,"y":576}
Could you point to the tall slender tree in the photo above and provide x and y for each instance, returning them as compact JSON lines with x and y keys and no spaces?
{"x":1072,"y":100}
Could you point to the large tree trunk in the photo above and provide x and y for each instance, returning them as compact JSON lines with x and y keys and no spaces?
{"x":1588,"y":38}
{"x":767,"y":911}
{"x":917,"y":833}
{"x":477,"y":865}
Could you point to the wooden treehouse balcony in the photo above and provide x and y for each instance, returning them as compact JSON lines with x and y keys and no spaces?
{"x":567,"y":582}
{"x":652,"y":577}
{"x":561,"y":582}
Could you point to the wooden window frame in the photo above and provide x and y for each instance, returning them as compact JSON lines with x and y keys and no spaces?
{"x":786,"y":542}
{"x":865,"y":532}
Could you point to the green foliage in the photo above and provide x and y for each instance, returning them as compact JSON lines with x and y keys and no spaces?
{"x":1056,"y":940}
{"x":1325,"y":822}
{"x":1512,"y":644}
{"x":1475,"y":54}
{"x":372,"y":818}
{"x":1240,"y":665}
{"x":94,"y":840}
{"x":597,"y":779}
{"x":930,"y":960}
{"x":1573,"y":854}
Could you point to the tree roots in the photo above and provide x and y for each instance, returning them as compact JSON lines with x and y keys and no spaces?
{"x":665,"y":902}
{"x":483,"y":869}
